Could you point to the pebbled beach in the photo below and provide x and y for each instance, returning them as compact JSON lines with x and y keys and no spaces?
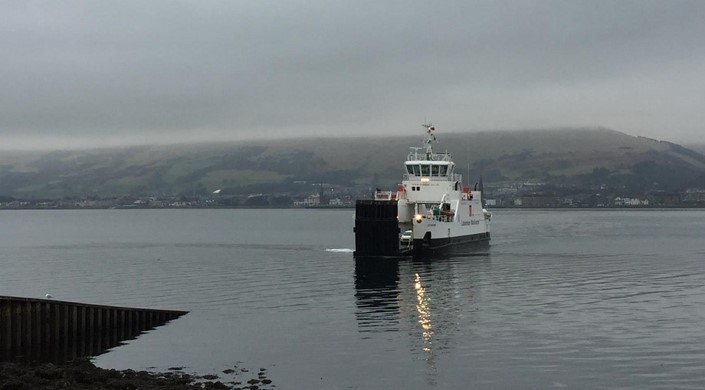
{"x":83,"y":374}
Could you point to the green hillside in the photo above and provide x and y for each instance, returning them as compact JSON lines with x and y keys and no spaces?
{"x":561,"y":155}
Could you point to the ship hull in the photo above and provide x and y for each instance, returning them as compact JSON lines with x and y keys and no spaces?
{"x":377,"y":233}
{"x":451,"y":245}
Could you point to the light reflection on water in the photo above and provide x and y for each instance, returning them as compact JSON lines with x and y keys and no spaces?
{"x":585,"y":299}
{"x":423,"y":309}
{"x":424,"y":299}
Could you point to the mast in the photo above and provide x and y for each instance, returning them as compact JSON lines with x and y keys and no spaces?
{"x":430,"y":139}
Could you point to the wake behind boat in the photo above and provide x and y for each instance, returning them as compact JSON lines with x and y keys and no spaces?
{"x":430,"y":213}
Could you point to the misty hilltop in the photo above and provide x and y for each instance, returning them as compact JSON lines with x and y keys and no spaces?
{"x":577,"y":156}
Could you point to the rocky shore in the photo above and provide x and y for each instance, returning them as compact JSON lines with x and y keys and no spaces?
{"x":82,"y":374}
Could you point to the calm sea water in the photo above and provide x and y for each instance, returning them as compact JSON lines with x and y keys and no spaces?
{"x":578,"y":299}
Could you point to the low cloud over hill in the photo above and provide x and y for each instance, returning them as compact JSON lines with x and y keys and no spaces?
{"x":577,"y":156}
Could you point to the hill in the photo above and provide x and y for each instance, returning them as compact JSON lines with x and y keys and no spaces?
{"x":577,"y":156}
{"x":700,"y":148}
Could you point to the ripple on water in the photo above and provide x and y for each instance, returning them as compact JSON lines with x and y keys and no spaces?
{"x":560,"y":299}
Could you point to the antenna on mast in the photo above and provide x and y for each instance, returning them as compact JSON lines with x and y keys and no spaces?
{"x":430,"y":137}
{"x":467,"y":158}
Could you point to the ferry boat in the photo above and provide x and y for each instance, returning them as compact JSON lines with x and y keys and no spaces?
{"x":431,"y":212}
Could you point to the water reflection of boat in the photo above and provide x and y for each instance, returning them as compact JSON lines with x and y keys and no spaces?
{"x":376,"y":295}
{"x":431,"y":301}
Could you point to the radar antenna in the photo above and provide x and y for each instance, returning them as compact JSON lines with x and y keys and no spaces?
{"x":430,"y":138}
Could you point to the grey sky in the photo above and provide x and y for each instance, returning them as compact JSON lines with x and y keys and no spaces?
{"x":114,"y":72}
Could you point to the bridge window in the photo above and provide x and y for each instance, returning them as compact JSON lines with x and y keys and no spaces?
{"x":444,"y":170}
{"x":409,"y":169}
{"x":417,"y":171}
{"x":434,"y":170}
{"x":425,"y":170}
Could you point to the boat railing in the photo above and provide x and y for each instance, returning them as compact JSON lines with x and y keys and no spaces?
{"x":385,"y":195}
{"x":423,"y":156}
{"x":443,"y":218}
{"x":451,"y":177}
{"x":389,"y":195}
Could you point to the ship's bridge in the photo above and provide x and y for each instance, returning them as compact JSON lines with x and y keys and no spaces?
{"x":433,"y":170}
{"x":429,"y":165}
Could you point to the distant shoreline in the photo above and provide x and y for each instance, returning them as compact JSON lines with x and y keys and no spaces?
{"x":661,"y":207}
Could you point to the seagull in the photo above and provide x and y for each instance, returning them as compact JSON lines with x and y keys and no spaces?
{"x":49,"y":296}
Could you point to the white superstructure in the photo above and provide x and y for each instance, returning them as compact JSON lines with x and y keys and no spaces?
{"x":433,"y":203}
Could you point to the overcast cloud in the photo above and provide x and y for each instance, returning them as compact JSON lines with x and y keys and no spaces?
{"x":121,"y":72}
